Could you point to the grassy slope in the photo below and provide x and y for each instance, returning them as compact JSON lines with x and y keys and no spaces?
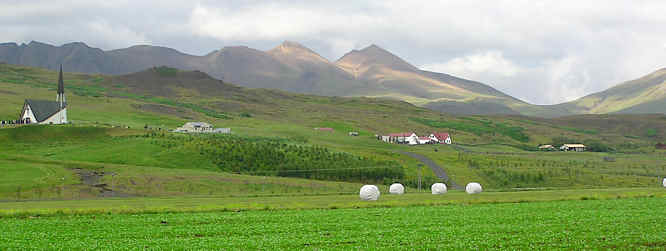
{"x":103,"y":101}
{"x":644,"y":95}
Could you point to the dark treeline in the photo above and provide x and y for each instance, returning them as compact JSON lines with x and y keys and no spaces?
{"x":278,"y":157}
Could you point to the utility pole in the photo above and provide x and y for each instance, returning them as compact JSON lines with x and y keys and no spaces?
{"x":420,"y":169}
{"x":63,"y":188}
{"x":113,"y":189}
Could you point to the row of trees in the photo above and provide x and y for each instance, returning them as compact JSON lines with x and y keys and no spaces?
{"x":278,"y":157}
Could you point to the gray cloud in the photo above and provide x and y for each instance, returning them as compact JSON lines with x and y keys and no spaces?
{"x":540,"y":51}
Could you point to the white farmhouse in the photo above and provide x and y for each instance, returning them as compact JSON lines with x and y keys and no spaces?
{"x":201,"y":127}
{"x":403,"y":138}
{"x":573,"y":147}
{"x":44,"y":111}
{"x":425,"y":140}
{"x":441,"y":138}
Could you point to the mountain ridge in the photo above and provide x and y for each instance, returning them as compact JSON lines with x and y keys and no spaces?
{"x":371,"y":71}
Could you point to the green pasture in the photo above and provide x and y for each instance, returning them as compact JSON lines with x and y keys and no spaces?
{"x":141,"y":166}
{"x":326,"y":200}
{"x":636,"y":223}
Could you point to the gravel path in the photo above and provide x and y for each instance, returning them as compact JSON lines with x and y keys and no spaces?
{"x":438,"y":170}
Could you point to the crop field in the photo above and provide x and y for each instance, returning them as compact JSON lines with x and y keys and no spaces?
{"x":636,"y":223}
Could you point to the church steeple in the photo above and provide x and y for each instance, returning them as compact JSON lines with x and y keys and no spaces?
{"x":62,"y":102}
{"x":61,"y":85}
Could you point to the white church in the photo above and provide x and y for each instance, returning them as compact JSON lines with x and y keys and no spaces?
{"x":44,"y":111}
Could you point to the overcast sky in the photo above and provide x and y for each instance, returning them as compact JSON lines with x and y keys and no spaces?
{"x":543,"y":52}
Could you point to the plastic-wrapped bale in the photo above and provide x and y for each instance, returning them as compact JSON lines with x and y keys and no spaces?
{"x":664,"y":182}
{"x":396,"y":188}
{"x":473,"y":188}
{"x":438,"y":188}
{"x":369,"y":192}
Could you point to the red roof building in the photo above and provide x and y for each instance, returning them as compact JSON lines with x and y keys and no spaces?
{"x":442,"y":138}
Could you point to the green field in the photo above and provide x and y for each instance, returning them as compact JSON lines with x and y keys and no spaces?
{"x":590,"y":224}
{"x":117,"y":170}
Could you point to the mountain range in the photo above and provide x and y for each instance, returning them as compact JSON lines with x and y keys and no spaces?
{"x":371,"y":72}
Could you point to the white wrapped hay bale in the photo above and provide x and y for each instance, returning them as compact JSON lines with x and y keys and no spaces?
{"x":396,"y":188}
{"x":664,"y":182}
{"x":438,"y":188}
{"x":473,"y":188}
{"x":369,"y":192}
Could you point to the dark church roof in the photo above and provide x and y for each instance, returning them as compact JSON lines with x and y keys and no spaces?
{"x":43,"y":109}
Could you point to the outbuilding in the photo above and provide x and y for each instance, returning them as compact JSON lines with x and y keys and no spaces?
{"x":441,"y":138}
{"x":573,"y":147}
{"x":546,"y":148}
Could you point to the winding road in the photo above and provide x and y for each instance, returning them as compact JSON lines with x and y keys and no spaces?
{"x":438,"y":170}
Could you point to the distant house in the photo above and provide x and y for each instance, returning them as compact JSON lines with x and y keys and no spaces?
{"x":573,"y":147}
{"x":404,"y":138}
{"x":201,"y":127}
{"x":46,"y":111}
{"x":324,"y":129}
{"x":546,"y":147}
{"x":441,"y":138}
{"x":426,"y":140}
{"x":660,"y":146}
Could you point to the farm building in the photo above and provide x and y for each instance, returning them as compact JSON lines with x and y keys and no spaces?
{"x":426,"y":140}
{"x":411,"y":138}
{"x":546,"y":147}
{"x":441,"y":138}
{"x":201,"y":127}
{"x":573,"y":147}
{"x":660,"y":146}
{"x":404,"y":138}
{"x":45,"y":111}
{"x":384,"y":138}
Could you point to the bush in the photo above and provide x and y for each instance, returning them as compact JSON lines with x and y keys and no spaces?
{"x":597,"y":146}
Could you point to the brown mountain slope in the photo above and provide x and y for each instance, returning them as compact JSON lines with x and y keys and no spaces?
{"x":393,"y":77}
{"x":372,"y":71}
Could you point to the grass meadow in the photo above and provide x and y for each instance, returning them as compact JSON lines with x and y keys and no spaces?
{"x":635,"y":223}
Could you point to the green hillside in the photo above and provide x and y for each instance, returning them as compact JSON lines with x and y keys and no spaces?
{"x":497,"y":151}
{"x":644,"y":95}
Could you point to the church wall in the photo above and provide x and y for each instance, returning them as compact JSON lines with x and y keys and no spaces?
{"x":58,"y":118}
{"x":27,"y":113}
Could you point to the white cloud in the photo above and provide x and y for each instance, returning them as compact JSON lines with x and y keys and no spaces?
{"x":272,"y":21}
{"x":120,"y":36}
{"x":489,"y":62}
